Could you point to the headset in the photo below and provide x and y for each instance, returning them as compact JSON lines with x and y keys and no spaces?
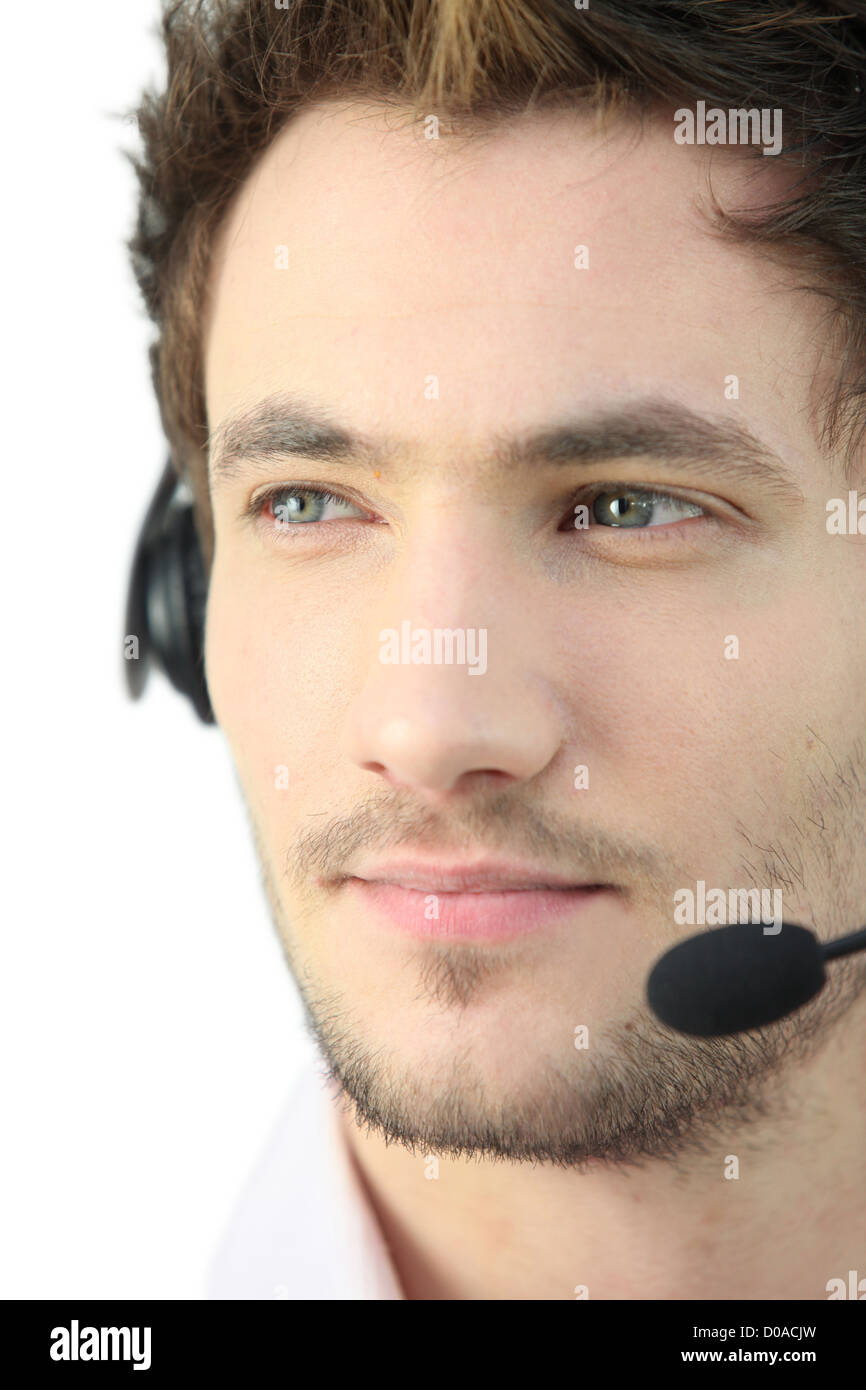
{"x":167,"y":597}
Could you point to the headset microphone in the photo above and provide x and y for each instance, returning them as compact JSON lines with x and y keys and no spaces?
{"x":738,"y":977}
{"x":167,"y":597}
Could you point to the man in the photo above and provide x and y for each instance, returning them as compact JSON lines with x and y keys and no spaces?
{"x":516,"y":372}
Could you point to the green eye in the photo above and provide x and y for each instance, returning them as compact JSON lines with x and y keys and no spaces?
{"x":284,"y":507}
{"x":637,"y":508}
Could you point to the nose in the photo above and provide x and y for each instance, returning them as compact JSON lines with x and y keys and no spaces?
{"x":453,"y":694}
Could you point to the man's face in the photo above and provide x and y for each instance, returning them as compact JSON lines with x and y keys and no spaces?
{"x":704,"y":665}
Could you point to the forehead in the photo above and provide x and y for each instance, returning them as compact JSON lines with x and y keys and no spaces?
{"x":543,"y":266}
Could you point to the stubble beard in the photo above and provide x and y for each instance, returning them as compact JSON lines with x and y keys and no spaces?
{"x":643,"y":1092}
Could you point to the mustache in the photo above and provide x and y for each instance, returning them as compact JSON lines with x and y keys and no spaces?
{"x":504,"y":822}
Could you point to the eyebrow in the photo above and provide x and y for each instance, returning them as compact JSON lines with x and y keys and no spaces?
{"x":283,"y":425}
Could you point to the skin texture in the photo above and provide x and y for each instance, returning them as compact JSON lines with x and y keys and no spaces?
{"x":409,"y":258}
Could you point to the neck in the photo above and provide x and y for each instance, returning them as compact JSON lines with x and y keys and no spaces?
{"x":770,"y":1209}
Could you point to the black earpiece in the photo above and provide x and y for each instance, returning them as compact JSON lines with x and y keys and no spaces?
{"x":165,"y":607}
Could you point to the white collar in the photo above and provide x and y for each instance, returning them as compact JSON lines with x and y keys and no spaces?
{"x":303,"y":1227}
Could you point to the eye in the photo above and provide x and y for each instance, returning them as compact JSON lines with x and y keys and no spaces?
{"x":284,"y":507}
{"x":632,"y":508}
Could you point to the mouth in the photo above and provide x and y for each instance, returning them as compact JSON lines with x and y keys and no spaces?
{"x":482,"y":900}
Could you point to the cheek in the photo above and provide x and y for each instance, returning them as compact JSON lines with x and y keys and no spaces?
{"x":278,"y":672}
{"x":678,"y":727}
{"x":235,"y":645}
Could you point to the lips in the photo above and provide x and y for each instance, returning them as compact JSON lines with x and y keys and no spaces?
{"x":484,"y":900}
{"x":484,"y":876}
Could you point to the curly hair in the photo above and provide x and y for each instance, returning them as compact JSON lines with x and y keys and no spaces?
{"x":238,"y":70}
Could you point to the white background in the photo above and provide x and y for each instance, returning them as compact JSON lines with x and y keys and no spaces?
{"x":150,"y":1029}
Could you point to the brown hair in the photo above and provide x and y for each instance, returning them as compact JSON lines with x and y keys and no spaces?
{"x":238,"y":70}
